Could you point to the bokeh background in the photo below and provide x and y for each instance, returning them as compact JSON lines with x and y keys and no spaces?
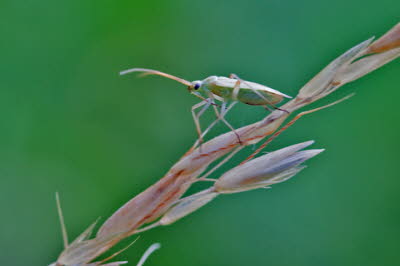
{"x":70,"y":124}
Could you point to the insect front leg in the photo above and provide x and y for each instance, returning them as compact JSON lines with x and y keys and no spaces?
{"x":198,"y":95}
{"x":196,"y":117}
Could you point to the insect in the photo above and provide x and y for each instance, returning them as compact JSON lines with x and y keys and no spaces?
{"x":228,"y":91}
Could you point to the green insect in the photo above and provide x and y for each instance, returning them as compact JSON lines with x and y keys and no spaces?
{"x":228,"y":91}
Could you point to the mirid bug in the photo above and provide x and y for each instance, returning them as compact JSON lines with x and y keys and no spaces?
{"x":227,"y":90}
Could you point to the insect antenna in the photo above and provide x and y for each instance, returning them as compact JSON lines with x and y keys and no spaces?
{"x":156,"y":72}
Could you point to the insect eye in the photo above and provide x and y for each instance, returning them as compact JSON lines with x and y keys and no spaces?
{"x":196,"y":86}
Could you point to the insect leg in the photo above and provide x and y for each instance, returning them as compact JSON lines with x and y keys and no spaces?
{"x":276,"y":108}
{"x":220,"y":116}
{"x":204,"y":99}
{"x":213,"y":123}
{"x":196,"y":117}
{"x":267,"y":108}
{"x":224,"y":111}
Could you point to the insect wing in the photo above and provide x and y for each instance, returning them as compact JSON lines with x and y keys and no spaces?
{"x":247,"y":85}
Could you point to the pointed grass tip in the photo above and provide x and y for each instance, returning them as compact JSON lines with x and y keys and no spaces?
{"x":272,"y":168}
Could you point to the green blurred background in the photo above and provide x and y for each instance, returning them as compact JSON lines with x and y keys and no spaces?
{"x":69,"y":123}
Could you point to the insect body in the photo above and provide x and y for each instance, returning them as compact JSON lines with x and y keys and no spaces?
{"x":235,"y":89}
{"x":226,"y":90}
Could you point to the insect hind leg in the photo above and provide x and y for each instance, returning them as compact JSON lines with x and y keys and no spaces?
{"x":221,"y":116}
{"x":225,"y":111}
{"x":280,"y":109}
{"x":266,"y":107}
